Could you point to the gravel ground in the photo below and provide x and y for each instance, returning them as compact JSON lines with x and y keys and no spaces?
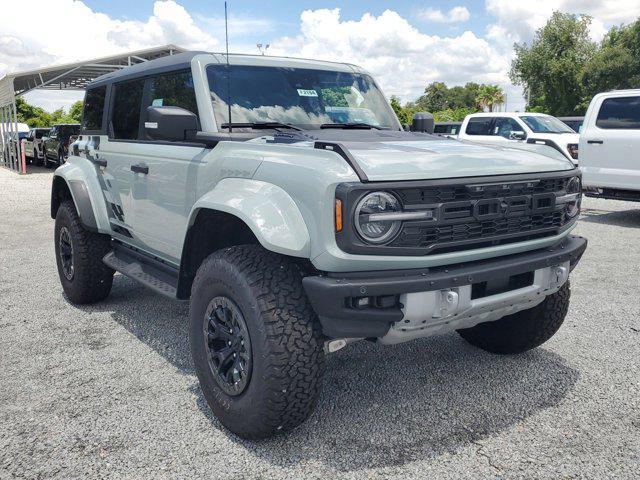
{"x":110,"y":391}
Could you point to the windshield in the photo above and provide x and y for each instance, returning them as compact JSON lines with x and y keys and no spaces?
{"x":304,"y":98}
{"x":546,"y":124}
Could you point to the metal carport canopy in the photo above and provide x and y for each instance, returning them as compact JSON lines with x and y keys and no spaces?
{"x":71,"y":76}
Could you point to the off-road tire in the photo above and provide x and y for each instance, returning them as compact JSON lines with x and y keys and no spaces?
{"x":285,"y":335}
{"x":92,"y":279}
{"x":524,"y":330}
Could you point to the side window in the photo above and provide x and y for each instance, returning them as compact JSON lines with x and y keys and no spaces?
{"x":173,"y":89}
{"x":125,"y":114}
{"x":619,"y":113}
{"x":479,"y":126}
{"x":93,"y":108}
{"x":504,"y":126}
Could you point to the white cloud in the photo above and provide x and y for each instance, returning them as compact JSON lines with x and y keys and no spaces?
{"x":403,"y":59}
{"x":522,"y":19}
{"x":90,"y":34}
{"x":456,"y":14}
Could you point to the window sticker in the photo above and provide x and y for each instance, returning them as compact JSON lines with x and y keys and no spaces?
{"x":307,"y":93}
{"x":157,"y":102}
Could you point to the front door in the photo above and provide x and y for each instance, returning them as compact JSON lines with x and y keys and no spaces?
{"x":164,"y":185}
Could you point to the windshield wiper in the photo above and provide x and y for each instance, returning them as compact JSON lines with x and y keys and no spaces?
{"x":355,"y":126}
{"x":260,"y":125}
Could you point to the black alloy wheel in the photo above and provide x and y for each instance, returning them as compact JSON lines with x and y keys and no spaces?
{"x":228,"y":345}
{"x":66,"y":253}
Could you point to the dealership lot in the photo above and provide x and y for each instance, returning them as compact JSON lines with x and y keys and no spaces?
{"x":109,"y":390}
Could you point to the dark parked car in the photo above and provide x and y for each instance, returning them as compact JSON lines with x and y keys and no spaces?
{"x":447,"y":129}
{"x":56,"y":144}
{"x":573,"y":122}
{"x":34,"y":145}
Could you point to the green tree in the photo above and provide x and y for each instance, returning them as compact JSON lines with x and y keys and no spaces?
{"x":548,"y":69}
{"x":38,"y":117}
{"x":75,"y":112}
{"x":489,"y":96}
{"x":615,"y":65}
{"x":435,"y":98}
{"x":404,"y":114}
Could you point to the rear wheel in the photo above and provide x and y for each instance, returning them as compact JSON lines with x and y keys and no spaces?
{"x":79,"y":252}
{"x":524,"y":330}
{"x":255,"y":340}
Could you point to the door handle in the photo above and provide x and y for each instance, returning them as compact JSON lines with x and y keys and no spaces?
{"x":100,"y":163}
{"x":599,"y":142}
{"x":140,"y":168}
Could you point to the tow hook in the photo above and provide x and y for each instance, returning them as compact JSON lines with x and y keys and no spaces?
{"x":447,"y":303}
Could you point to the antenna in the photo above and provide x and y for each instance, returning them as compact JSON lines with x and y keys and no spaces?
{"x":226,"y":35}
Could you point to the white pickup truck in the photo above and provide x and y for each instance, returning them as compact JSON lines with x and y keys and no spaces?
{"x":504,"y":128}
{"x":610,"y":146}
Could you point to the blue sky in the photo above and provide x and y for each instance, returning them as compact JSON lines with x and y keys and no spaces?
{"x":405,"y":45}
{"x":284,"y":16}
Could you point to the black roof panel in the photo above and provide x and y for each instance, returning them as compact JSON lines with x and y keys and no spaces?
{"x":159,"y":65}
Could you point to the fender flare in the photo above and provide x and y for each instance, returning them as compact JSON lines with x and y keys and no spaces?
{"x":85,"y":192}
{"x":269,"y":211}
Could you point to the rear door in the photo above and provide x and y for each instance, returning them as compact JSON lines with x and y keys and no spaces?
{"x":610,"y":142}
{"x":117,"y":154}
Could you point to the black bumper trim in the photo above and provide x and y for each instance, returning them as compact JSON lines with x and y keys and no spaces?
{"x":328,"y":294}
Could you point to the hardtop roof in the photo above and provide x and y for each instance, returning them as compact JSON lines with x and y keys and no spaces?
{"x":183,"y":60}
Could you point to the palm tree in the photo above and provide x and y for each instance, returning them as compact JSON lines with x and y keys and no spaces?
{"x":488,"y":96}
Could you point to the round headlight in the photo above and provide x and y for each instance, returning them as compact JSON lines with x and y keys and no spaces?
{"x":573,"y":188}
{"x":369,"y":217}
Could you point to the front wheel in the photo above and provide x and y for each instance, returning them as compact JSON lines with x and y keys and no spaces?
{"x":255,"y":340}
{"x":79,"y":252}
{"x":523,"y":330}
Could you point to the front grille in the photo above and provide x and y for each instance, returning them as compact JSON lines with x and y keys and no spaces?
{"x":466,"y":214}
{"x":474,"y":215}
{"x":474,"y":234}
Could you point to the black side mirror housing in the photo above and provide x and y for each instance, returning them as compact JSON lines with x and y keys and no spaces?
{"x":170,"y":123}
{"x":423,"y":122}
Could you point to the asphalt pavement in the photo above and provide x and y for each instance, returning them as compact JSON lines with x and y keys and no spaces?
{"x":109,"y":390}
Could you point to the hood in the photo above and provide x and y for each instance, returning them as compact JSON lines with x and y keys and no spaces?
{"x":387,"y":156}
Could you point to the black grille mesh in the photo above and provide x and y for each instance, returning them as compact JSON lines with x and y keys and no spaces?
{"x":464,"y":231}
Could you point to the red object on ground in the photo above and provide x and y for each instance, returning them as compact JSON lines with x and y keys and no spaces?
{"x":23,"y":157}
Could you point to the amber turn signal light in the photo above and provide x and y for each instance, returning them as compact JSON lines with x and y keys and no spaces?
{"x":338,"y":215}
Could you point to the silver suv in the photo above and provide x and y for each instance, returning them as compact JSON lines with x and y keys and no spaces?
{"x":283,"y":199}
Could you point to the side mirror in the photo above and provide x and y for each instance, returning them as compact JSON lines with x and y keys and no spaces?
{"x":170,"y":123}
{"x":517,"y":135}
{"x":423,"y":122}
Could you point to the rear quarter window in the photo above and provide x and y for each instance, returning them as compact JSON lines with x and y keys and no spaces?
{"x":621,"y":113}
{"x":93,"y":108}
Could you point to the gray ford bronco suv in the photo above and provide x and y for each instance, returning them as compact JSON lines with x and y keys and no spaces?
{"x":283,"y":199}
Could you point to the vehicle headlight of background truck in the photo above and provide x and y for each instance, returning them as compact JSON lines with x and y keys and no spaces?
{"x":573,"y":150}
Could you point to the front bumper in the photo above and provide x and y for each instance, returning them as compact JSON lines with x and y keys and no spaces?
{"x":335,"y":297}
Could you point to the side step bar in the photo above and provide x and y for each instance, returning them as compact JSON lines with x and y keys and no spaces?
{"x":160,"y":278}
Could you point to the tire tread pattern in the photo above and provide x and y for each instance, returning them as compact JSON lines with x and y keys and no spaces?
{"x":292,"y":354}
{"x":92,"y":279}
